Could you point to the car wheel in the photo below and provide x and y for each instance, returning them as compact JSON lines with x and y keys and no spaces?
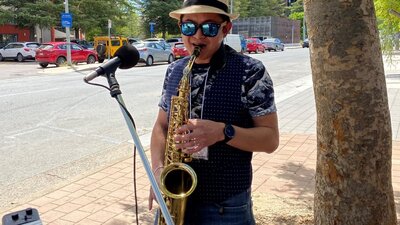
{"x":170,"y":59}
{"x":61,"y":61}
{"x":91,"y":59}
{"x":149,"y":61}
{"x":256,"y":51}
{"x":1,"y":58}
{"x":43,"y":65}
{"x":20,"y":58}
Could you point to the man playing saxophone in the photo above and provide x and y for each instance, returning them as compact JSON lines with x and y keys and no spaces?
{"x":232,"y":114}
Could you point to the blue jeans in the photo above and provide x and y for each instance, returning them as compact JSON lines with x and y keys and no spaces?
{"x":236,"y":210}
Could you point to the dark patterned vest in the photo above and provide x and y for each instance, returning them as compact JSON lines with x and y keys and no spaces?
{"x":228,"y":170}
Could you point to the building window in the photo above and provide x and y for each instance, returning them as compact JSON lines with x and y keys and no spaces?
{"x":7,"y":38}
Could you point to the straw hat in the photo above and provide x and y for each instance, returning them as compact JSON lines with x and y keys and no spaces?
{"x":203,"y":6}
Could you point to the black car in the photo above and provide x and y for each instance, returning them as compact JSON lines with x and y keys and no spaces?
{"x":305,"y":43}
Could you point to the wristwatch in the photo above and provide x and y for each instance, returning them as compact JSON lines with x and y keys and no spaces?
{"x":229,"y":132}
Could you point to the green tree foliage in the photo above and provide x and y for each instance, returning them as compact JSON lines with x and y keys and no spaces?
{"x":157,"y":11}
{"x":132,"y":28}
{"x":28,"y":13}
{"x":388,"y":23}
{"x":257,"y":8}
{"x":90,"y":16}
{"x":297,"y":13}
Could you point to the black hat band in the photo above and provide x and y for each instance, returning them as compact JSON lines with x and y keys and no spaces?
{"x":213,"y":3}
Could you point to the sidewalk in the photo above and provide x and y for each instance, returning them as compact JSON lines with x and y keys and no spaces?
{"x":106,"y":196}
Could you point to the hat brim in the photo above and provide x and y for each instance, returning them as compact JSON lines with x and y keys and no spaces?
{"x":200,"y":9}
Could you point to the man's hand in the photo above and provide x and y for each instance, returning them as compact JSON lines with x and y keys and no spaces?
{"x":157,"y":173}
{"x":198,"y":134}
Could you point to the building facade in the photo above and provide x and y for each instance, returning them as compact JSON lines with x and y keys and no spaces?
{"x":11,"y":33}
{"x":288,"y":31}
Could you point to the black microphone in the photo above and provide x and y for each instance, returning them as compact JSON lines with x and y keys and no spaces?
{"x":126,"y":57}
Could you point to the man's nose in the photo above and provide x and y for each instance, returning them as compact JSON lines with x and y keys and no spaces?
{"x":199,"y":33}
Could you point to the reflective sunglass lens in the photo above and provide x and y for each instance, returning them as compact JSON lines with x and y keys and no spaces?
{"x":188,"y":29}
{"x":210,"y":29}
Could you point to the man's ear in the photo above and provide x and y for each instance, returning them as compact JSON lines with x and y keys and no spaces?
{"x":227,"y":28}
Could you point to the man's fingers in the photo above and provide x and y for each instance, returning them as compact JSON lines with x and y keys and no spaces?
{"x":151,"y":197}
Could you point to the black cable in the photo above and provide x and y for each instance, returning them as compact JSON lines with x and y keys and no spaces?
{"x":96,"y":84}
{"x":134,"y":149}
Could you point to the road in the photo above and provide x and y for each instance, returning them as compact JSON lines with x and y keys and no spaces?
{"x":55,"y":127}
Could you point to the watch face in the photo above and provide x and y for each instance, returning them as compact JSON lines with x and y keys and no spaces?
{"x":229,"y":131}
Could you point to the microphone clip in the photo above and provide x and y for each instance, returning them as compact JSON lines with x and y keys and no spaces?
{"x":113,"y":83}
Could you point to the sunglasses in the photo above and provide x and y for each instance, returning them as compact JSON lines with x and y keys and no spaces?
{"x":208,"y":29}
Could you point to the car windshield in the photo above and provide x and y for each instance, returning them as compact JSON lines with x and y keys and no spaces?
{"x":140,"y":45}
{"x":269,"y":40}
{"x":179,"y":46}
{"x":32,"y":45}
{"x":46,"y":46}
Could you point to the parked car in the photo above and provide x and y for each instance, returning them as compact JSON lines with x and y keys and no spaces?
{"x":151,"y":52}
{"x":179,"y":50}
{"x":254,"y":45}
{"x":160,"y":41}
{"x":19,"y":51}
{"x":85,"y":44}
{"x":233,"y":40}
{"x":173,"y":40}
{"x":305,"y":43}
{"x":260,"y":37}
{"x":273,"y":44}
{"x":134,"y":40}
{"x":56,"y":53}
{"x":107,"y":46}
{"x":243,"y":43}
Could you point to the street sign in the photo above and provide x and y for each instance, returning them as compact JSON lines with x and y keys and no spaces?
{"x":152,"y":27}
{"x":66,"y":19}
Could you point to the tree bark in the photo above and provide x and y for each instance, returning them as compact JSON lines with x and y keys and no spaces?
{"x":353,"y":173}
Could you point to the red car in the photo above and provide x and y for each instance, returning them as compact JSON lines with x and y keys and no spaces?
{"x":254,"y":45}
{"x":56,"y":53}
{"x":179,"y":50}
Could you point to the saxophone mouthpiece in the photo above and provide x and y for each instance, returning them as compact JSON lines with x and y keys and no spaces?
{"x":196,"y":51}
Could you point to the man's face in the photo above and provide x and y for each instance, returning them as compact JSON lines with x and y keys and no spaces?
{"x":209,"y":44}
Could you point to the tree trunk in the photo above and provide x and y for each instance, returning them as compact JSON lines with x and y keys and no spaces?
{"x":353,"y":174}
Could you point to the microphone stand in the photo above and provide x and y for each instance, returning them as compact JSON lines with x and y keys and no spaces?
{"x":115,"y":92}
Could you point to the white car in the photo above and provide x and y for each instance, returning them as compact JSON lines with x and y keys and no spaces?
{"x":19,"y":51}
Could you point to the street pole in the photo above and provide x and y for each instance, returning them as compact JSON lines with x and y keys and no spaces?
{"x":68,"y":34}
{"x":109,"y":38}
{"x":231,"y":13}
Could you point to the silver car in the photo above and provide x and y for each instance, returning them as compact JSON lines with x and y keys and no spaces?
{"x":151,"y":52}
{"x":19,"y":51}
{"x":273,"y":44}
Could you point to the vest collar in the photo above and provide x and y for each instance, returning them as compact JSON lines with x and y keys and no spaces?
{"x":218,"y":60}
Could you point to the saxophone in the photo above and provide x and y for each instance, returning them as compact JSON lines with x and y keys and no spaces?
{"x":178,"y":180}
